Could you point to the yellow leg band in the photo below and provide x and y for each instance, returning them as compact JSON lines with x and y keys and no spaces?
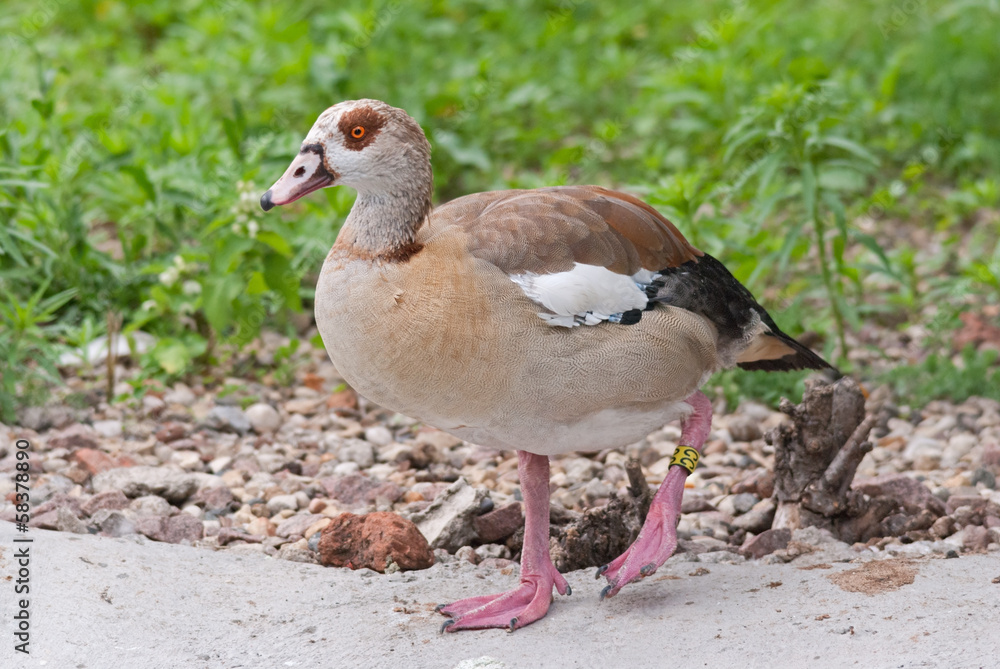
{"x":686,"y":457}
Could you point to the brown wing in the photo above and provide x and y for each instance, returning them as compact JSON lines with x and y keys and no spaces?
{"x":546,"y":230}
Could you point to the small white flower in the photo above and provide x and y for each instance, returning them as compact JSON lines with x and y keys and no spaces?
{"x":190,"y":287}
{"x":897,"y":188}
{"x":169,"y":276}
{"x":235,"y":227}
{"x":253,"y":228}
{"x":148,"y":305}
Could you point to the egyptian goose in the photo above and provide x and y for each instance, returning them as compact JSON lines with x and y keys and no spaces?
{"x":545,"y":321}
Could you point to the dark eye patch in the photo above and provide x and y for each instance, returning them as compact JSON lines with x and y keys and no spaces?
{"x":367,"y":118}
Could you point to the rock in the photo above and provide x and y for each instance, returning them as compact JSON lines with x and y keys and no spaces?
{"x":743,"y":428}
{"x":171,"y":529}
{"x":357,"y":451}
{"x":113,"y":523}
{"x":74,"y":437}
{"x":499,"y":524}
{"x":40,"y":419}
{"x":297,"y":525}
{"x":94,"y":461}
{"x":150,"y":505}
{"x":56,"y":502}
{"x":449,"y":520}
{"x":958,"y":447}
{"x":695,"y":502}
{"x":975,"y":539}
{"x":113,"y":500}
{"x":218,"y":500}
{"x":441,"y":441}
{"x":264,"y":418}
{"x":943,"y":527}
{"x":984,"y":476}
{"x":467,"y":553}
{"x":757,"y":519}
{"x":908,"y":493}
{"x":280,"y":503}
{"x":171,"y":431}
{"x":760,"y":483}
{"x":766,"y":543}
{"x":305,"y":406}
{"x":737,"y":505}
{"x":108,"y":428}
{"x":495,"y":551}
{"x":378,"y":435}
{"x":991,"y":456}
{"x":357,"y":489}
{"x":175,"y":487}
{"x":372,"y":541}
{"x":66,"y":521}
{"x":294,"y":553}
{"x":227,"y":419}
{"x":186,"y":460}
{"x":153,"y":405}
{"x":180,"y":394}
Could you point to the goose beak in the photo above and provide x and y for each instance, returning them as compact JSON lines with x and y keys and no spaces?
{"x":306,"y":174}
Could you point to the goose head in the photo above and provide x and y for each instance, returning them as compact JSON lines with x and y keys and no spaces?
{"x":378,"y":150}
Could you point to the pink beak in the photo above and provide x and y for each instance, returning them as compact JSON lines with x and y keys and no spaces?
{"x":306,"y":174}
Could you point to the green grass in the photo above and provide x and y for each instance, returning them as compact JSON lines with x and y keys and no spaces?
{"x":137,"y":137}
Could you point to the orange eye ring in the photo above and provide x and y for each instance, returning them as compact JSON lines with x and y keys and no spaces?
{"x":357,"y":132}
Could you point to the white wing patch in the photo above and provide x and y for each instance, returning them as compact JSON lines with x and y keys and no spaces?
{"x":585,"y":295}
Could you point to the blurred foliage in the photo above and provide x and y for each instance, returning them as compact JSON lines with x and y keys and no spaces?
{"x":137,"y":137}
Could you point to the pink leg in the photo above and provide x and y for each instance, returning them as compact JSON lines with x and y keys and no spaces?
{"x":529,"y":601}
{"x":658,"y":538}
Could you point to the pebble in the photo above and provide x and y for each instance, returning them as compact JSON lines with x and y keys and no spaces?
{"x":263,"y":418}
{"x":378,"y":435}
{"x":227,"y":419}
{"x":139,"y":481}
{"x":108,"y":428}
{"x":357,"y":451}
{"x":180,"y":394}
{"x":280,"y":503}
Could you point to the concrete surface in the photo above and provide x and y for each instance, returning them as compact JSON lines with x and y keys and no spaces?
{"x":121,"y":604}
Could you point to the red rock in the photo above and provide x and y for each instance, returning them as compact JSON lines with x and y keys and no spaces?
{"x":57,"y":501}
{"x":113,"y":500}
{"x":912,"y":495}
{"x":766,"y":543}
{"x":171,"y":432}
{"x":171,"y":529}
{"x":345,"y":400}
{"x":314,"y":381}
{"x":94,"y":461}
{"x":370,"y":540}
{"x":214,"y":500}
{"x":73,"y":437}
{"x":499,"y":523}
{"x":358,"y":489}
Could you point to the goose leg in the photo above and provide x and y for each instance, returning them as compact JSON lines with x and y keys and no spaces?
{"x":658,"y":537}
{"x":530,"y":600}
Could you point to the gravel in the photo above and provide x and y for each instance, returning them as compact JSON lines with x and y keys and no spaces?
{"x":190,"y":465}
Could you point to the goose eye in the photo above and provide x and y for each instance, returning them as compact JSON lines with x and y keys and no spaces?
{"x":357,"y":132}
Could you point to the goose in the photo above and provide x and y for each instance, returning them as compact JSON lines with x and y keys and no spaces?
{"x":542,"y":321}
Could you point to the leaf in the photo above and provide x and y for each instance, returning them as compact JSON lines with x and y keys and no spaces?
{"x":142,"y":179}
{"x":172,"y":356}
{"x":276,"y":242}
{"x":850,"y":146}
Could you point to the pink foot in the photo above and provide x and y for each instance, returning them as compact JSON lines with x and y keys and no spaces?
{"x":658,"y":537}
{"x":516,"y":608}
{"x":529,"y":601}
